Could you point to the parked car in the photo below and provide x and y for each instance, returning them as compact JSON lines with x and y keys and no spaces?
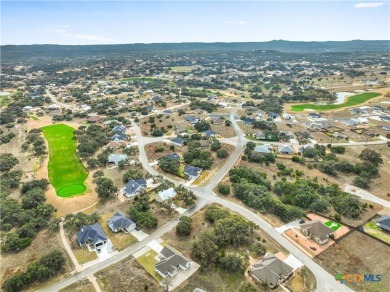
{"x":313,"y":248}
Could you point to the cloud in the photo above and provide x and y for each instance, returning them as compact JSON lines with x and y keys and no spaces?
{"x":241,"y":22}
{"x":369,"y":5}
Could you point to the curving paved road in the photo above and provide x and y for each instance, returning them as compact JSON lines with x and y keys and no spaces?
{"x":325,"y":281}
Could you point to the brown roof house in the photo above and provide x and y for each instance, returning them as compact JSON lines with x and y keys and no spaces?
{"x":316,"y":230}
{"x":170,"y":262}
{"x":270,"y":270}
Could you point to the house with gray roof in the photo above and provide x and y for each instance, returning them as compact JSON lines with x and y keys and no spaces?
{"x":317,"y":230}
{"x":91,"y":235}
{"x":270,"y":270}
{"x":166,"y":195}
{"x":265,"y":149}
{"x":170,"y":263}
{"x":119,"y":129}
{"x":192,"y":172}
{"x":178,"y":141}
{"x":133,"y":187}
{"x":191,"y":119}
{"x":120,"y":222}
{"x":209,"y":133}
{"x":286,"y":149}
{"x":114,"y":159}
{"x":384,"y":222}
{"x":118,"y":137}
{"x":173,"y":155}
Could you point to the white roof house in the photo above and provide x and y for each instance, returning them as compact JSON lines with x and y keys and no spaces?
{"x":166,"y":195}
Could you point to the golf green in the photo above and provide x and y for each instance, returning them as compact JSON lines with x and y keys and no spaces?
{"x":66,"y":172}
{"x":352,"y":101}
{"x":333,"y":225}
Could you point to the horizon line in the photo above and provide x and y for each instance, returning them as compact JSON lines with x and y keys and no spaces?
{"x":194,"y":42}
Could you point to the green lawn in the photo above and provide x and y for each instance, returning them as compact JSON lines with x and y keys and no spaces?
{"x":374,"y":230}
{"x":148,"y":262}
{"x":66,"y":172}
{"x":352,"y":101}
{"x":333,"y":225}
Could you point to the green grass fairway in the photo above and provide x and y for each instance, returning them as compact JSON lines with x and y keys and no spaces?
{"x":352,"y":101}
{"x":66,"y":172}
{"x":333,"y":225}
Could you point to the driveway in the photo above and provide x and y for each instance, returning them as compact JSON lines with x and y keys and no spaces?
{"x":181,"y":276}
{"x":293,"y":262}
{"x":292,"y":224}
{"x":140,"y":235}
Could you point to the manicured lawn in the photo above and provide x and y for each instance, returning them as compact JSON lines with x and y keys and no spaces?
{"x":200,"y":179}
{"x":375,"y":231}
{"x":148,"y":262}
{"x":66,"y":172}
{"x":120,"y":240}
{"x":333,"y":225}
{"x":83,"y":255}
{"x":352,"y":101}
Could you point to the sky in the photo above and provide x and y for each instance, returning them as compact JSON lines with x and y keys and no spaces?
{"x":124,"y":22}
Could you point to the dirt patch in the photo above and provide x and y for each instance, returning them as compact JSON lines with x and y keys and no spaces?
{"x":125,"y":274}
{"x":82,"y":286}
{"x":358,"y":254}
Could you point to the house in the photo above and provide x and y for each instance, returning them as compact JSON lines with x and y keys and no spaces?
{"x":191,"y":119}
{"x":173,"y":155}
{"x":118,"y":137}
{"x":378,"y":108}
{"x":317,"y":231}
{"x":361,"y":120}
{"x":270,"y":270}
{"x":115,"y":144}
{"x":181,"y":130}
{"x":248,"y":121}
{"x":166,"y":195}
{"x":260,"y":135}
{"x":287,"y":116}
{"x":251,"y":109}
{"x":178,"y":141}
{"x":273,"y":115}
{"x":209,"y":133}
{"x":170,"y":262}
{"x":286,"y":149}
{"x":192,"y":172}
{"x":314,"y":116}
{"x":119,"y":222}
{"x":205,"y":144}
{"x":167,"y":112}
{"x":216,"y":120}
{"x":94,"y":119}
{"x":384,"y":222}
{"x":114,"y":159}
{"x":133,"y":187}
{"x":91,"y":235}
{"x":318,"y":126}
{"x":387,"y":128}
{"x":385,"y":118}
{"x":119,"y":129}
{"x":27,"y":108}
{"x":150,"y":108}
{"x":265,"y":149}
{"x":338,"y":135}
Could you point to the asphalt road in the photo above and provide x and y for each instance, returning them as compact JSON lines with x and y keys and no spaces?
{"x":325,"y":281}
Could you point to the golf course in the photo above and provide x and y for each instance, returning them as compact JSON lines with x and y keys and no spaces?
{"x":66,"y":172}
{"x":352,"y":101}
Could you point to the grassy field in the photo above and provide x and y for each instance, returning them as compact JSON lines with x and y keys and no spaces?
{"x":83,"y":255}
{"x":352,"y":101}
{"x":148,"y":262}
{"x":66,"y":172}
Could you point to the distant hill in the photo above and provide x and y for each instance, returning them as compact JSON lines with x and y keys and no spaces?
{"x":12,"y":52}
